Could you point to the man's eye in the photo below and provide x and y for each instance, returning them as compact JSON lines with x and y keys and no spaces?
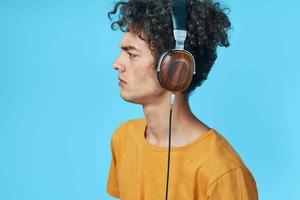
{"x":131,"y":55}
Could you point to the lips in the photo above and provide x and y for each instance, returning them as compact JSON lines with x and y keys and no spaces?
{"x":122,"y":80}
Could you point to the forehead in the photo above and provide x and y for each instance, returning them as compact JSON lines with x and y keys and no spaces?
{"x":130,"y":38}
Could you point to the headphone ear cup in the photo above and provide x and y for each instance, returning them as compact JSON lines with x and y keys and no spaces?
{"x":176,"y":70}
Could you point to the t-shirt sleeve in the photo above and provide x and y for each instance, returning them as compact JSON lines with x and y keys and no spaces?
{"x":112,"y":186}
{"x":112,"y":183}
{"x":237,"y":184}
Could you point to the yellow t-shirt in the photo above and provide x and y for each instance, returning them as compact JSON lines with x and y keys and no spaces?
{"x":207,"y":168}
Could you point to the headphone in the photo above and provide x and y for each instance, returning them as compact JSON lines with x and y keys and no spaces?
{"x":176,"y":67}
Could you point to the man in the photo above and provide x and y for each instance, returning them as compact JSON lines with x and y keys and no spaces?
{"x":203,"y":163}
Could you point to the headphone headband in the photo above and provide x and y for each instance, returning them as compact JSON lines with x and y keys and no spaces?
{"x":179,"y":20}
{"x":179,"y":15}
{"x":176,"y":66}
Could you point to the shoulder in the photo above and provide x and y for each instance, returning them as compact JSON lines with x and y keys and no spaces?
{"x":221,"y":157}
{"x":227,"y":175}
{"x":220,"y":148}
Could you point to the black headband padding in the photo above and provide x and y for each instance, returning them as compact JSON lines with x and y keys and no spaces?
{"x":179,"y":15}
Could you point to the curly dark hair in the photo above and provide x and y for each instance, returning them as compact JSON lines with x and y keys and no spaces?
{"x":208,"y":25}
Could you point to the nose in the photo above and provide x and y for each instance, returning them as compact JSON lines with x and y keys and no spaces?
{"x":117,"y":65}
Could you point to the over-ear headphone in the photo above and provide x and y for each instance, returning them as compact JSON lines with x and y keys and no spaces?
{"x":176,"y":67}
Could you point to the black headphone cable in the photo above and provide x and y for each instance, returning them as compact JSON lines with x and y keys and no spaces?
{"x":172,"y":99}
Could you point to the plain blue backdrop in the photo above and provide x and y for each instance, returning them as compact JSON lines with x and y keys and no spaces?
{"x":60,"y":103}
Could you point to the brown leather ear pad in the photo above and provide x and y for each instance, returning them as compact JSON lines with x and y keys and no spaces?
{"x":176,"y":70}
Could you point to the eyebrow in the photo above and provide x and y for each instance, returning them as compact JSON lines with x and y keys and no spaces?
{"x":128,"y":48}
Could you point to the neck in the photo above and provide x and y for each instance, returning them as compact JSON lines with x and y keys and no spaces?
{"x":185,"y":126}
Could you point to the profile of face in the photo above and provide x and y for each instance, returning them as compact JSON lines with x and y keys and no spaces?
{"x":137,"y":72}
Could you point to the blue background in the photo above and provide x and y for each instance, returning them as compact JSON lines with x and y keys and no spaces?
{"x":60,"y":100}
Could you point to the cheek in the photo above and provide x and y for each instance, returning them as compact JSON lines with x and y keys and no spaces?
{"x":146,"y":75}
{"x":150,"y":80}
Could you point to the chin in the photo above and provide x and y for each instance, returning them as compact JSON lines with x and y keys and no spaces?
{"x":141,"y":98}
{"x":130,"y":98}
